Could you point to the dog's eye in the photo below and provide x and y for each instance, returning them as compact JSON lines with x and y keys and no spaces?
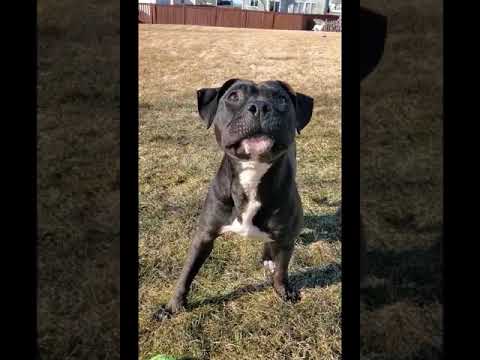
{"x":233,"y":96}
{"x":282,"y":100}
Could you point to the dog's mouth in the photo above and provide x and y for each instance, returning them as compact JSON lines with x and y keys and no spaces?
{"x":254,"y":145}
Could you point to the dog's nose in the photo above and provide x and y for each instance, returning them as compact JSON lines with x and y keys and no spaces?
{"x":253,"y":109}
{"x":259,"y":108}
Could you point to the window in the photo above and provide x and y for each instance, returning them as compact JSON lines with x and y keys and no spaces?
{"x":303,"y":7}
{"x":308,"y":8}
{"x":274,"y":5}
{"x":335,"y":7}
{"x":254,"y":3}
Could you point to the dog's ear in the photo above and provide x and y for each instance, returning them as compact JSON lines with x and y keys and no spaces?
{"x":373,"y":31}
{"x":207,"y":101}
{"x":303,"y":106}
{"x":304,"y":110}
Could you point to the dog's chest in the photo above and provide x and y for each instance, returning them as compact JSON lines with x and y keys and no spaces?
{"x":250,"y":176}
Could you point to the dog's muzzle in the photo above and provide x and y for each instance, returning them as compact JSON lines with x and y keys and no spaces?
{"x":256,"y":145}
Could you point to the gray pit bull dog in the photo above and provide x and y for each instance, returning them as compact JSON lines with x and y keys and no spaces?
{"x":254,"y":192}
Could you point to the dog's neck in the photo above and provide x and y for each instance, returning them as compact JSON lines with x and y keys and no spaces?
{"x":250,"y":172}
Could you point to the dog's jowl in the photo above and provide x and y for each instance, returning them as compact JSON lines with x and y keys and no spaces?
{"x":254,"y":192}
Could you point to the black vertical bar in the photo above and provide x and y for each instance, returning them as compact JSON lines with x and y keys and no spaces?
{"x":129,"y":181}
{"x":350,"y":180}
{"x":33,"y":74}
{"x":448,"y":231}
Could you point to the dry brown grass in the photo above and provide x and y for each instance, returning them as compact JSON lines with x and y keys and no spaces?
{"x":401,"y":185}
{"x":234,"y":315}
{"x":78,"y":180}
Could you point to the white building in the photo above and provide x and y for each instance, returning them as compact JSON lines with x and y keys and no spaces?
{"x":294,"y":6}
{"x":291,"y":6}
{"x":335,"y":7}
{"x":170,"y":2}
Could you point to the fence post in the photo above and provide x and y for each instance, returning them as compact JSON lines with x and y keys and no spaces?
{"x":273,"y":22}
{"x":216,"y":9}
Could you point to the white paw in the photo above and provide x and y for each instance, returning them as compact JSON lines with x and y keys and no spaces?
{"x":269,"y":265}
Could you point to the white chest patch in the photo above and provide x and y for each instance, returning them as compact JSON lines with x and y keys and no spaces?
{"x":250,"y":175}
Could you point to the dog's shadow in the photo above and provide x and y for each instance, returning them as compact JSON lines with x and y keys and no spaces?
{"x":319,"y":228}
{"x":411,"y":275}
{"x":311,"y":278}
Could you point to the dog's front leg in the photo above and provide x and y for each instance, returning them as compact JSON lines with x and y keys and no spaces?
{"x":199,"y":251}
{"x":213,"y":217}
{"x":281,"y":257}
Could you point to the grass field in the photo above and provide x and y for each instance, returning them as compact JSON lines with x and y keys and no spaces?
{"x":78,"y":182}
{"x":401,"y":186}
{"x":234,"y":314}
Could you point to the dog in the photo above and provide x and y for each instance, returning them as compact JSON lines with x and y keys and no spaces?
{"x":254,"y":192}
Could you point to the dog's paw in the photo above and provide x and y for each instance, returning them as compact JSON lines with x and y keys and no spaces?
{"x":288,"y":294}
{"x":292,"y":296}
{"x":167,"y":311}
{"x":162,"y":314}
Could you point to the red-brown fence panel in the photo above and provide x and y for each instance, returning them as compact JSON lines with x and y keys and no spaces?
{"x":229,"y":17}
{"x":168,"y":14}
{"x":218,"y":16}
{"x":259,"y":19}
{"x":200,"y":15}
{"x":288,"y":21}
{"x":308,"y":22}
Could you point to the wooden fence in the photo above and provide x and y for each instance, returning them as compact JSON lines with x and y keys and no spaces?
{"x":226,"y":17}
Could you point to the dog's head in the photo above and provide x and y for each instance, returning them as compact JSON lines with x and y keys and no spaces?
{"x":254,"y":121}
